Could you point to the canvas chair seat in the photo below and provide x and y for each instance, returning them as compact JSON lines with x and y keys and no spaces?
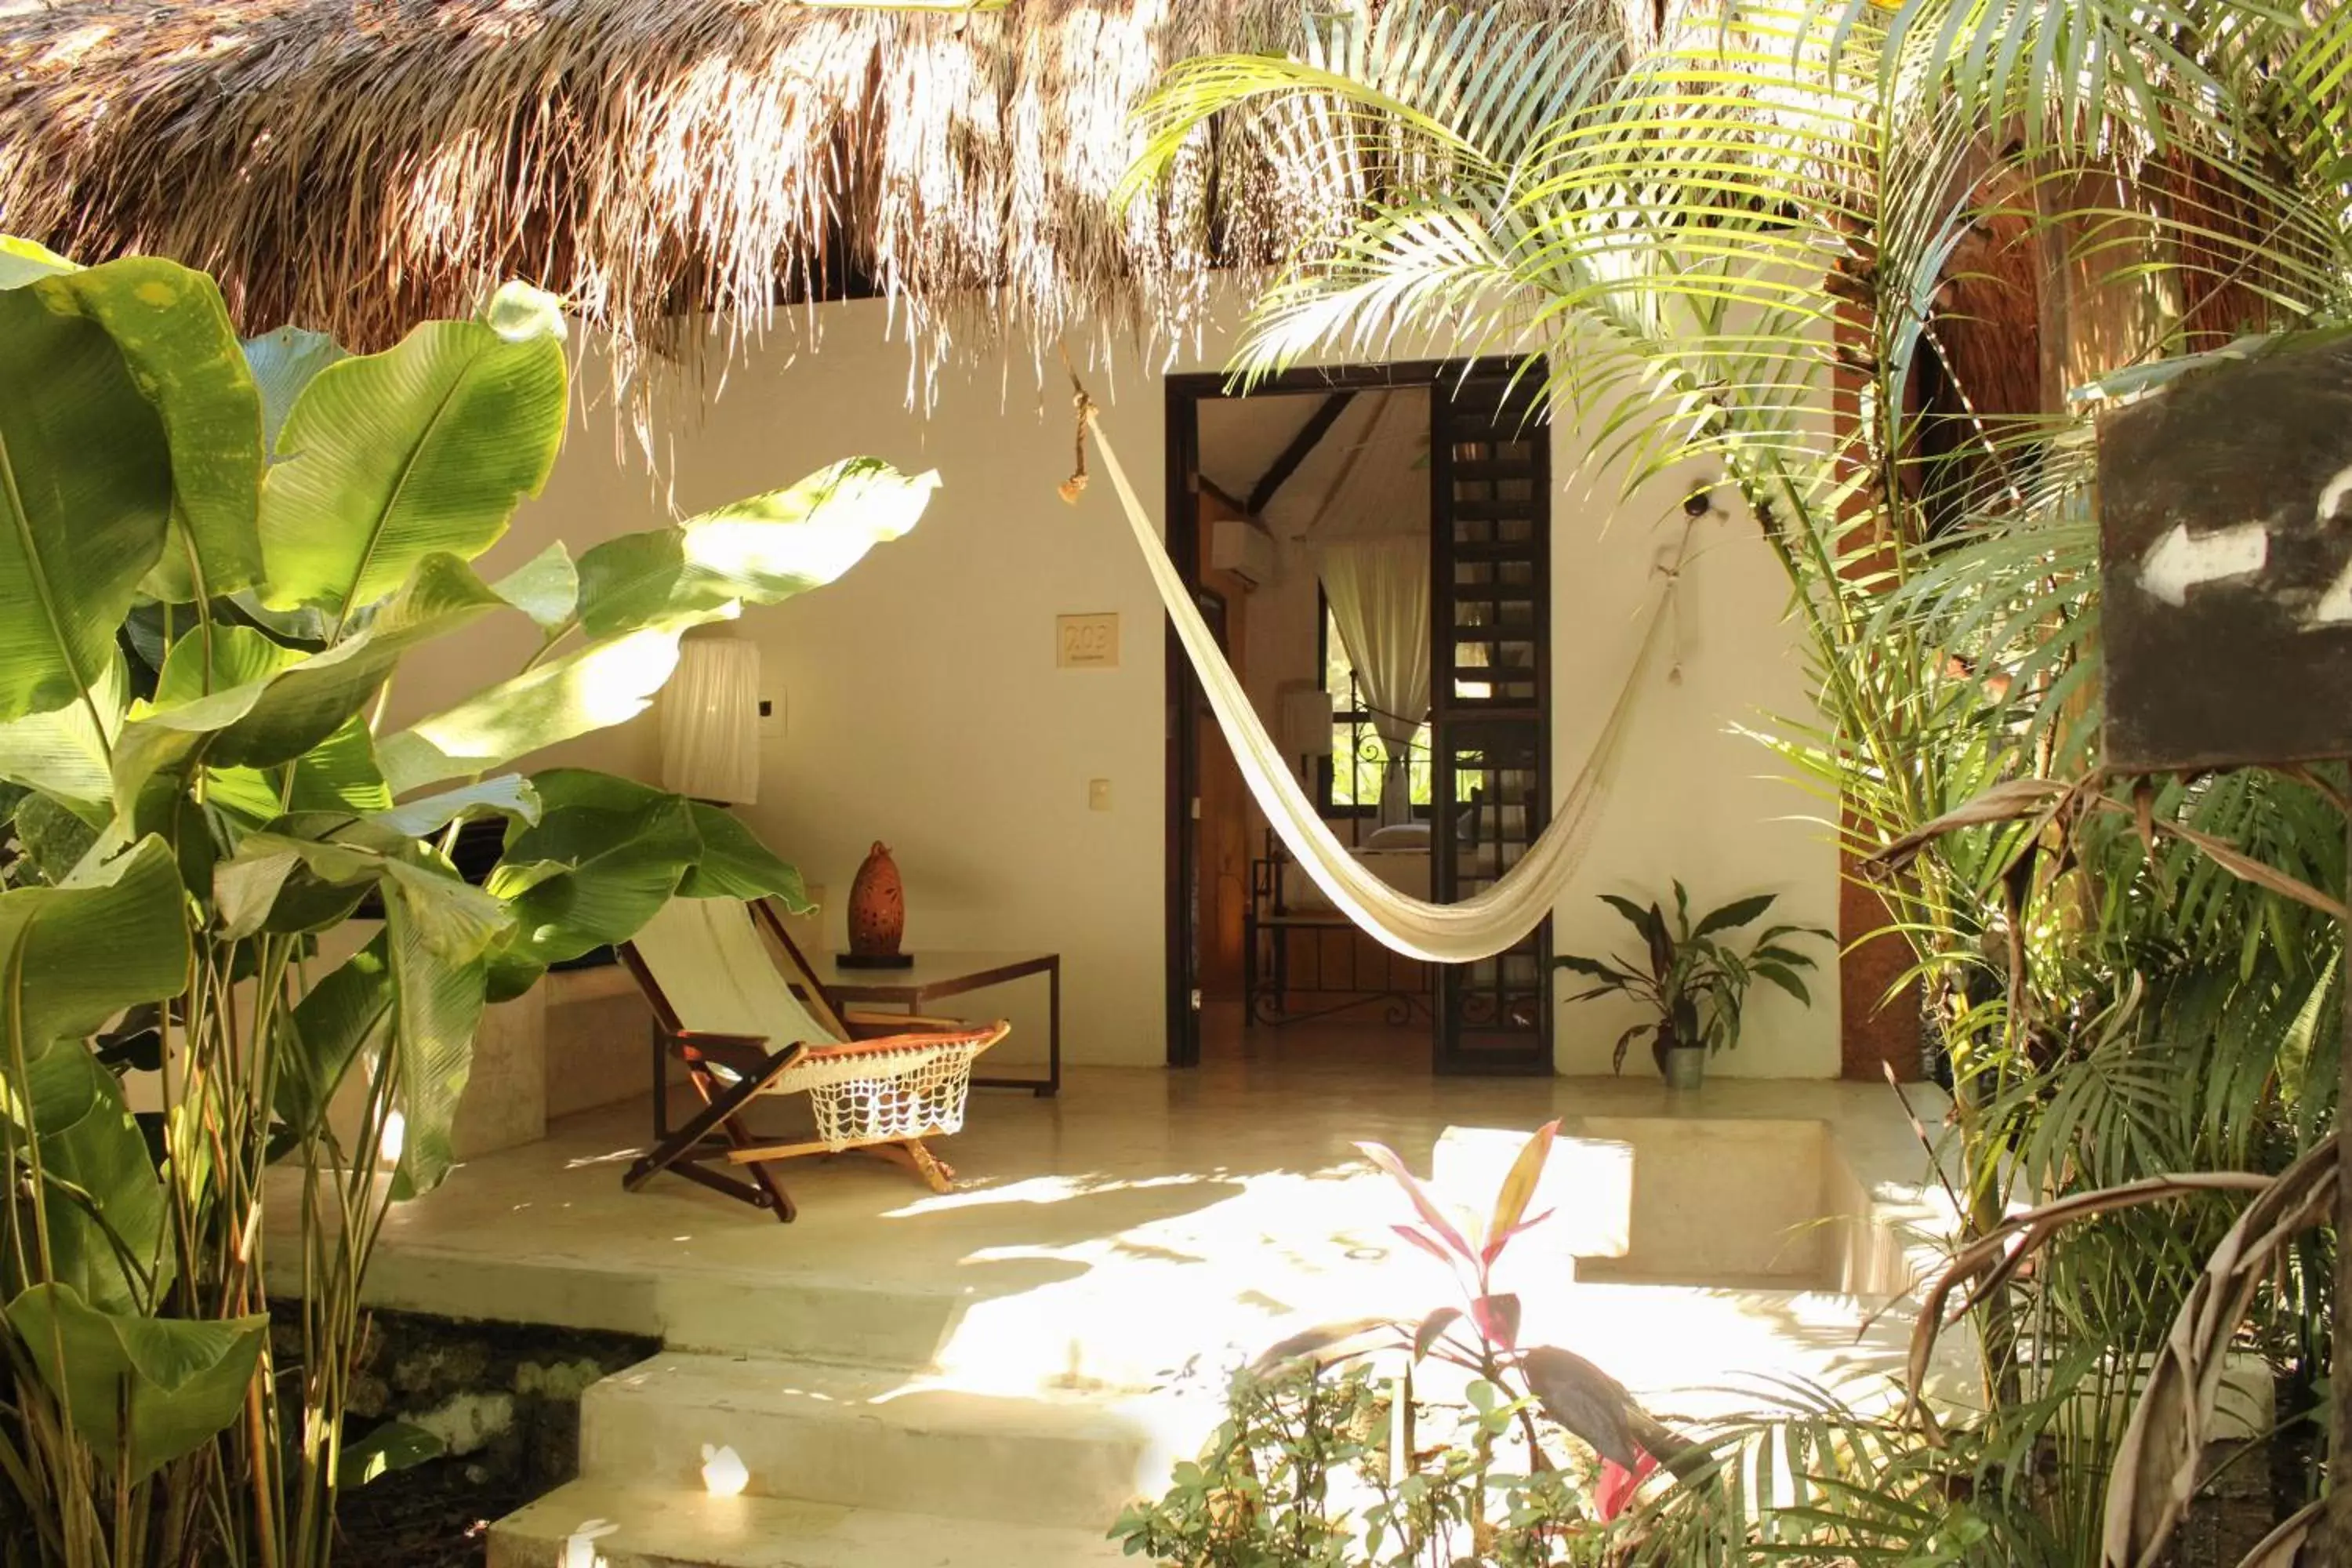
{"x":734,"y":998}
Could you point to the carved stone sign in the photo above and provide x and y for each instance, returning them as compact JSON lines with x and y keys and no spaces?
{"x":1087,"y":642}
{"x":2225,"y":526}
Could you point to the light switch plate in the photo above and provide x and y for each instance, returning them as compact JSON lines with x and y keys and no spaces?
{"x":1099,"y":794}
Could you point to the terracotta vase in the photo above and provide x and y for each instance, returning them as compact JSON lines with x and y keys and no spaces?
{"x":878,"y":906}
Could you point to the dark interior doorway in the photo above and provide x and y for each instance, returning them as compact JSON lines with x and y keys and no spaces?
{"x":1245,"y":939}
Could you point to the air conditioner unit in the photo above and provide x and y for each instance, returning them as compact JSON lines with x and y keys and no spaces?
{"x":1242,"y":549}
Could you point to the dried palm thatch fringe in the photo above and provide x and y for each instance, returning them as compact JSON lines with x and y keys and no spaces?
{"x":357,"y":165}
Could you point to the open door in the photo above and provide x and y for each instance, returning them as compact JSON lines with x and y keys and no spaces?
{"x":1488,"y":793}
{"x":1490,"y":693}
{"x":1184,"y":778}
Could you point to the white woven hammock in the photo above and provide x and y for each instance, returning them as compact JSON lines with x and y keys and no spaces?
{"x":1478,"y":927}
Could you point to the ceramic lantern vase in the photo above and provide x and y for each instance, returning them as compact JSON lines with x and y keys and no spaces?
{"x":878,"y":908}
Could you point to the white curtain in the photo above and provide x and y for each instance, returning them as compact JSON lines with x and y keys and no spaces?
{"x":1378,"y":593}
{"x":1478,"y":927}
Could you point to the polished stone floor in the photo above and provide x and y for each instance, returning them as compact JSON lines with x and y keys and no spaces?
{"x":1146,"y":1220}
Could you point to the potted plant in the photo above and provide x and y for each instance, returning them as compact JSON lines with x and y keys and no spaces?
{"x":1692,"y":978}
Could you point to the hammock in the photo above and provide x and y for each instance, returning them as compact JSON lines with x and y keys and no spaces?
{"x":1480,"y":927}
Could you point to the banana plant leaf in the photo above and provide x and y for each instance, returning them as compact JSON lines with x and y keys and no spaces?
{"x":282,"y":363}
{"x":274,"y":720}
{"x":605,"y":856}
{"x":760,"y":551}
{"x":88,"y":505}
{"x":427,"y":449}
{"x":102,"y":1199}
{"x":639,"y":594}
{"x":337,"y":1020}
{"x":599,"y":686}
{"x":172,"y":331}
{"x":142,"y":1391}
{"x":64,"y":751}
{"x":71,"y":958}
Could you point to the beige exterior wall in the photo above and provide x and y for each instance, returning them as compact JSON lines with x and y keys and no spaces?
{"x":922,"y":704}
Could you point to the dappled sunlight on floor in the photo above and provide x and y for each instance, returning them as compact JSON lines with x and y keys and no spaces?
{"x":1144,"y":1228}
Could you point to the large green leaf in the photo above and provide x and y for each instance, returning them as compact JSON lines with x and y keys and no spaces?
{"x":603,"y":684}
{"x":308,"y":872}
{"x":140,"y":1390}
{"x":54,"y":837}
{"x":66,"y":751}
{"x":338,"y":773}
{"x":71,"y":958}
{"x":85,"y":497}
{"x":270,"y":720}
{"x":622,"y":848}
{"x":105,"y":1203}
{"x":756,"y":552}
{"x":509,"y":795}
{"x":214,"y":658}
{"x":605,"y":856}
{"x":426,"y":447}
{"x":730,"y":863}
{"x":173,"y":332}
{"x":639,"y":594}
{"x":337,"y":1019}
{"x":546,"y":587}
{"x":438,"y":933}
{"x":22,"y":261}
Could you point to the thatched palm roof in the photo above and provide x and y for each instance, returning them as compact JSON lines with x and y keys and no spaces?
{"x":355,"y":166}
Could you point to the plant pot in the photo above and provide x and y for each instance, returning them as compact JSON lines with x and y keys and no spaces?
{"x":1686,"y":1067}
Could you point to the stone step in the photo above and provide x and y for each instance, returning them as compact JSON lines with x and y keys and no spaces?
{"x":713,"y":1309}
{"x":591,"y":1524}
{"x":865,"y":1439}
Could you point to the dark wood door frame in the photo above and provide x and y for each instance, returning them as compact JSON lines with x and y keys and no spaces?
{"x":1180,"y":523}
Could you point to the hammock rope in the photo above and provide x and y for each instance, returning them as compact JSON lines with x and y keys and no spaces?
{"x":1490,"y":922}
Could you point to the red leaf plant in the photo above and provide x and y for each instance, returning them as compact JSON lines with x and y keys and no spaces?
{"x":1585,"y":1400}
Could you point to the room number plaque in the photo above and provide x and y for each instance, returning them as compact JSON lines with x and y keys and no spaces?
{"x":1087,"y":642}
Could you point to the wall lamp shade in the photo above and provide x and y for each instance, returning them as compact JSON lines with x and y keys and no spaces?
{"x":1305,"y":720}
{"x":710,"y":721}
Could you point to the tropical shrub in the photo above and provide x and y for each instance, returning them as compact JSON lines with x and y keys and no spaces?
{"x":1326,"y":1458}
{"x":1768,"y":247}
{"x":1689,"y":976}
{"x":214,"y":558}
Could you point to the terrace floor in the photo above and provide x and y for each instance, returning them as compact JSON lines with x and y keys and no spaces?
{"x":1036,"y":1345}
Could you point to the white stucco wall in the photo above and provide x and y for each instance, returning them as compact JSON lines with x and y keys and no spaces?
{"x":924,"y":708}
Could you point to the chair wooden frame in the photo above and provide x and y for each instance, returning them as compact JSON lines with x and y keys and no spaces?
{"x":729,"y":1072}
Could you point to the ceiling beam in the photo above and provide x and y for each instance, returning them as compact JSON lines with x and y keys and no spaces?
{"x":1310,"y":436}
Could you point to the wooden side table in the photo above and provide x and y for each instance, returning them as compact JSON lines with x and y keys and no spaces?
{"x":936,"y":974}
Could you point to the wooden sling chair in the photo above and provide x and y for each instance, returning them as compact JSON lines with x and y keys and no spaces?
{"x":733,"y":998}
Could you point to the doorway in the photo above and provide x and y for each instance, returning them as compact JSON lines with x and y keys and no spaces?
{"x":1305,"y":516}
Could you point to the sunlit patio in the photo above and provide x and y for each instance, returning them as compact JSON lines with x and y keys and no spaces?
{"x":1033,"y":1349}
